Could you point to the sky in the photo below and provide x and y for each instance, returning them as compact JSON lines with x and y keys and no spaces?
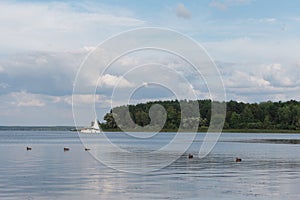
{"x":254,"y":44}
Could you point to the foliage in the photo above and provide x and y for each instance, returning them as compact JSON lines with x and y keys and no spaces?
{"x":239,"y":115}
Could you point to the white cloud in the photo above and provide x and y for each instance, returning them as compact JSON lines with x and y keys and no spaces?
{"x":24,"y":108}
{"x":218,"y":5}
{"x":128,"y":61}
{"x":26,"y":99}
{"x":281,"y":76}
{"x":42,"y":60}
{"x":112,"y":81}
{"x":261,"y":82}
{"x":58,"y":25}
{"x":89,"y":48}
{"x":4,"y":85}
{"x":241,"y":79}
{"x":182,"y":11}
{"x":250,"y":50}
{"x":225,"y":4}
{"x":145,"y":84}
{"x":297,"y":19}
{"x":81,"y":99}
{"x":100,"y":101}
{"x":268,"y":20}
{"x":41,"y":72}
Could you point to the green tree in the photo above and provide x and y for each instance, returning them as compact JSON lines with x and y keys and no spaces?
{"x":142,"y":118}
{"x":247,"y":116}
{"x":110,"y":121}
{"x":235,"y":120}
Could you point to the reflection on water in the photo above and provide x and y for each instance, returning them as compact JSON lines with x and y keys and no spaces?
{"x":47,"y":172}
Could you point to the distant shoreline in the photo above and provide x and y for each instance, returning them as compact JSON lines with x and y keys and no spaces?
{"x":223,"y":131}
{"x":37,"y":128}
{"x":260,"y":131}
{"x":73,"y":128}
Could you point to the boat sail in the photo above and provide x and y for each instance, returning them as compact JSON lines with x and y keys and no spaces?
{"x":94,"y":128}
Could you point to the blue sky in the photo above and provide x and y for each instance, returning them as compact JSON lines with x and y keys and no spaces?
{"x":255,"y":44}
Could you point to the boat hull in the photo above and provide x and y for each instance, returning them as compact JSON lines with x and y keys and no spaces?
{"x":90,"y":131}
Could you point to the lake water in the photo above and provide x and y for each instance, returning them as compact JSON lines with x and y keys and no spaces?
{"x":268,"y":170}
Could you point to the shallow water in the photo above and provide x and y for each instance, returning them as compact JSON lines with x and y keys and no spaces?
{"x":268,"y":170}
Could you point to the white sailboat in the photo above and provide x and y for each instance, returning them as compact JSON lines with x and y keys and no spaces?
{"x":94,"y":128}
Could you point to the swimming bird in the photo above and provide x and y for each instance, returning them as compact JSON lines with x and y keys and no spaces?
{"x":87,"y":149}
{"x":28,"y":148}
{"x":238,"y":159}
{"x":66,"y":149}
{"x":191,"y":156}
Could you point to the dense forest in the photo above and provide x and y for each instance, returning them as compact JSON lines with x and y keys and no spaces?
{"x":239,"y":115}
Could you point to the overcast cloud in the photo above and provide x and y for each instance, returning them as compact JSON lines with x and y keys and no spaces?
{"x":44,"y":43}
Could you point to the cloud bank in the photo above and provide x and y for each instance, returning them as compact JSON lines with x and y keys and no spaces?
{"x":44,"y":43}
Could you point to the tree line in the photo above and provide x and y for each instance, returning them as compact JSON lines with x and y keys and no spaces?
{"x":239,"y":115}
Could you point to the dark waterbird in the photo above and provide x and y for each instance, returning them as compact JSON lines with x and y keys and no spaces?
{"x":66,"y":149}
{"x":191,"y":156}
{"x":28,"y":148}
{"x":238,"y":159}
{"x":87,"y":149}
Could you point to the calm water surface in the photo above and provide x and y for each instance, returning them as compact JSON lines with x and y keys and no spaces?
{"x":268,"y":170}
